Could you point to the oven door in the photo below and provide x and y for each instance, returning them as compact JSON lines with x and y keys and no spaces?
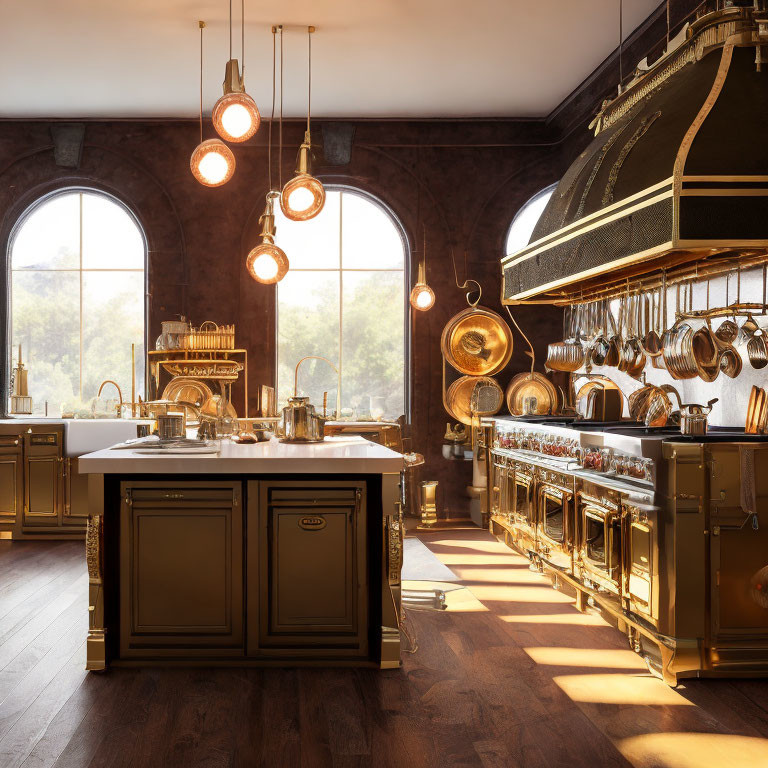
{"x":555,"y":527}
{"x":600,"y":551}
{"x":498,"y":468}
{"x":525,"y":509}
{"x":640,"y":568}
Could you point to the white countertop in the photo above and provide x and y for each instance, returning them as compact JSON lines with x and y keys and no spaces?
{"x":335,"y":455}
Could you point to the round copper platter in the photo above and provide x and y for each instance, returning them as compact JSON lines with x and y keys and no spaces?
{"x":458,"y":398}
{"x":188,"y":390}
{"x":536,"y":385}
{"x":477,"y":342}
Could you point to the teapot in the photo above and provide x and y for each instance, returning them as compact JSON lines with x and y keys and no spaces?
{"x":301,"y":423}
{"x":693,"y":417}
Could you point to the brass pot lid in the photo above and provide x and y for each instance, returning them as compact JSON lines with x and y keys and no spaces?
{"x":477,"y":342}
{"x":459,"y":398}
{"x":531,"y":385}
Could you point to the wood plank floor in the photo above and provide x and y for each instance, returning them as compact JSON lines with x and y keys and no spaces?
{"x":523,"y":680}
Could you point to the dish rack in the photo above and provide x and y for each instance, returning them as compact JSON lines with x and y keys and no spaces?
{"x":208,"y":336}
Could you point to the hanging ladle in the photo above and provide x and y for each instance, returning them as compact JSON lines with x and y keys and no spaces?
{"x":651,"y":341}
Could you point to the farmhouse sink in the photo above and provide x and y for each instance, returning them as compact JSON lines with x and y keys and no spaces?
{"x":87,"y":435}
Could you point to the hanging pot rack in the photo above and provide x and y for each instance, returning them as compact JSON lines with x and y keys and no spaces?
{"x":675,"y":274}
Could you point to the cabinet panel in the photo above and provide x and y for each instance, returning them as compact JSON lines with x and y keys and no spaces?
{"x":41,"y":490}
{"x":181,"y":570}
{"x":312,"y":570}
{"x":10,"y":486}
{"x":75,"y":511}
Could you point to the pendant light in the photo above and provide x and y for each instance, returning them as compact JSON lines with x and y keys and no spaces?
{"x":267,"y":263}
{"x":422,"y":296}
{"x":212,"y":162}
{"x":235,"y":115}
{"x":303,"y":197}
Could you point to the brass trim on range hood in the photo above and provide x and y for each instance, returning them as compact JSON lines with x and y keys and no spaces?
{"x":714,"y":202}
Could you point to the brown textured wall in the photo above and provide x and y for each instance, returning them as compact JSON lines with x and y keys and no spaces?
{"x":470,"y":178}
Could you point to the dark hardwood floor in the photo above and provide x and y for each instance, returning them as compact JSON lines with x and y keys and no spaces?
{"x":522,"y":679}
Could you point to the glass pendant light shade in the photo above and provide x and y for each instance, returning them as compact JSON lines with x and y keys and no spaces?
{"x":422,"y":296}
{"x":303,"y":196}
{"x":266,"y":263}
{"x":235,"y":115}
{"x":212,"y":163}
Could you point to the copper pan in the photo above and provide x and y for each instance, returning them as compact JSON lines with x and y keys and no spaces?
{"x":530,"y":388}
{"x":459,"y":397}
{"x":477,"y":342}
{"x":565,"y":356}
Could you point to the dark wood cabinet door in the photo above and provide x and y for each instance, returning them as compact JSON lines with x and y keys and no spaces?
{"x":75,"y":510}
{"x":181,"y":569}
{"x":311,"y":573}
{"x":11,"y":479}
{"x":43,"y":497}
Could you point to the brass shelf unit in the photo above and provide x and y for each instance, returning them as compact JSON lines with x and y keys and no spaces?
{"x":222,"y":365}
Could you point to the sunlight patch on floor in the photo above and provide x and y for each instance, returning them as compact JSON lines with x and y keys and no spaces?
{"x":500,"y":575}
{"x":586,"y":657}
{"x":638,"y":690}
{"x":574,"y":619}
{"x":473,"y":546}
{"x":695,"y":750}
{"x":519,"y":594}
{"x":458,"y":599}
{"x":452,"y":558}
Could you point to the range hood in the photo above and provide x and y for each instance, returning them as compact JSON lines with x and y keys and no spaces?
{"x":677,"y":171}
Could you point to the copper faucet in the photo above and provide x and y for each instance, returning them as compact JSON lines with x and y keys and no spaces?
{"x":119,"y":394}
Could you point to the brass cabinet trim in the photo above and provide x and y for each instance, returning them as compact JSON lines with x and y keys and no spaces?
{"x":312,"y":523}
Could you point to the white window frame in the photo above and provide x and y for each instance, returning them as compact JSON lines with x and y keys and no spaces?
{"x":22,"y":219}
{"x":406,"y":270}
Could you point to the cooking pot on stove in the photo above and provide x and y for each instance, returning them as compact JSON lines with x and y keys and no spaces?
{"x":693,"y":417}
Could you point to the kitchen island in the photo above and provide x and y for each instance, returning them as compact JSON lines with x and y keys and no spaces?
{"x":261,"y":554}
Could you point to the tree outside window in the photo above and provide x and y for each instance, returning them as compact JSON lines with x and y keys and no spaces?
{"x":77,"y":298}
{"x":344,"y":298}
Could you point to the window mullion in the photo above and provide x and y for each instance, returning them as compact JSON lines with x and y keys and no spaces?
{"x":341,"y":304}
{"x":80,"y":387}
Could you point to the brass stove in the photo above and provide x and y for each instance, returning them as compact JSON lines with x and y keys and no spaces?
{"x":676,"y":559}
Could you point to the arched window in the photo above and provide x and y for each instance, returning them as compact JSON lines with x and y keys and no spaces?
{"x":344,"y":298}
{"x":77,"y":286}
{"x":525,"y":220}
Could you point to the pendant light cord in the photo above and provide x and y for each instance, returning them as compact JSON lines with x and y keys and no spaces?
{"x":272,"y":118}
{"x":621,"y":43}
{"x":230,"y":29}
{"x":242,"y":38}
{"x":280,"y":159}
{"x":309,"y":75}
{"x":201,"y":24}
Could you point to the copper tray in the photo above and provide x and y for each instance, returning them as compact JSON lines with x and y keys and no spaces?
{"x":531,"y":385}
{"x":477,"y":342}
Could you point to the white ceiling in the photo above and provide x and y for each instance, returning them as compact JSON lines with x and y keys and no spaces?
{"x":372,"y":58}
